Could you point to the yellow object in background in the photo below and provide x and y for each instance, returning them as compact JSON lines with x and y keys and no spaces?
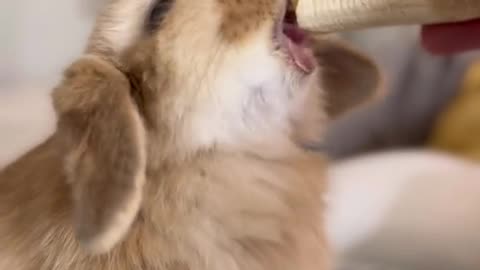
{"x":458,"y":128}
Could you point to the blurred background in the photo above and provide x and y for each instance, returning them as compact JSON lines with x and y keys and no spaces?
{"x":405,"y":179}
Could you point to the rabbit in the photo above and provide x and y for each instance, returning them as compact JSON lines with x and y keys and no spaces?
{"x":179,"y":144}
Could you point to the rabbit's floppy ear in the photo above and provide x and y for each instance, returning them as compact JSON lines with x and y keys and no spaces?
{"x":103,"y":129}
{"x":348,"y":77}
{"x":106,"y":154}
{"x":119,"y":24}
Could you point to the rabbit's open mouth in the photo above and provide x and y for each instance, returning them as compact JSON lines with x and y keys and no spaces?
{"x":293,"y":41}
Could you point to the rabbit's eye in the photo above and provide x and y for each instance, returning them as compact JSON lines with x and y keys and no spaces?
{"x":157,"y":13}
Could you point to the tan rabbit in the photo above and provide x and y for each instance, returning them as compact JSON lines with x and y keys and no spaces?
{"x":179,"y":144}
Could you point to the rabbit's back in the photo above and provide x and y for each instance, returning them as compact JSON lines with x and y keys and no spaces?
{"x":211,"y":213}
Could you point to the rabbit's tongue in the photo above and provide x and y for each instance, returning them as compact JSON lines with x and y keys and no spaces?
{"x":301,"y":55}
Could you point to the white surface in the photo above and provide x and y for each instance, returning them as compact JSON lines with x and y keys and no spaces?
{"x":26,"y":118}
{"x":406,"y":210}
{"x":39,"y":37}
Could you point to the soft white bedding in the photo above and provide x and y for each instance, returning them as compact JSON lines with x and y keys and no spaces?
{"x":406,"y":210}
{"x":26,"y":118}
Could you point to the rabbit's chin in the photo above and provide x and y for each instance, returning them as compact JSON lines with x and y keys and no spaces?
{"x":292,"y":42}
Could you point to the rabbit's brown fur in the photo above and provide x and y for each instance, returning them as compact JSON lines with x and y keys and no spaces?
{"x":175,"y":150}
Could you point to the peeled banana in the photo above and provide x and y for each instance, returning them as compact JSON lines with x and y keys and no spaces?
{"x":345,"y":15}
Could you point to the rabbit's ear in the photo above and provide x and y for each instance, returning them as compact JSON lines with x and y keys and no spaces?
{"x":106,"y":154}
{"x":118,"y":26}
{"x":348,"y":77}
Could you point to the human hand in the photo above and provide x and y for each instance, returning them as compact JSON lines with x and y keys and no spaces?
{"x":451,"y":38}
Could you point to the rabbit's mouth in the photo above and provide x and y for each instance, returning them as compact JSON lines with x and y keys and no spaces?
{"x":293,"y":41}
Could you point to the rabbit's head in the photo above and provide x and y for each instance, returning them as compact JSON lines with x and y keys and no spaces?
{"x":239,"y":75}
{"x":168,"y":79}
{"x":223,"y":73}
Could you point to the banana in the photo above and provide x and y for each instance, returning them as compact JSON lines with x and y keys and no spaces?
{"x":346,"y":15}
